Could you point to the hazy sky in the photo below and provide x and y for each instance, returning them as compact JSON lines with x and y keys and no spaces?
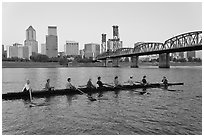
{"x":85,"y":22}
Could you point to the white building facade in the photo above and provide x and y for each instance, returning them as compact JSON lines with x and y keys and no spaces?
{"x":31,"y":40}
{"x":71,"y":48}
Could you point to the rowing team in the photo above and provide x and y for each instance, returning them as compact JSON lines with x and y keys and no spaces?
{"x":100,"y":84}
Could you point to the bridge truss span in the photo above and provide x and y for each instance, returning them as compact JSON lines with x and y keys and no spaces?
{"x":186,"y":40}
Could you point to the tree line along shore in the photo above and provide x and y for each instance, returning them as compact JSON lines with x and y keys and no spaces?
{"x":8,"y":64}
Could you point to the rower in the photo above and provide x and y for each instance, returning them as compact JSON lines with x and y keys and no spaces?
{"x":69,"y":85}
{"x":116,"y":82}
{"x":165,"y":82}
{"x":100,"y":84}
{"x":47,"y":85}
{"x":130,"y":81}
{"x":27,"y":87}
{"x":89,"y":84}
{"x":144,"y":81}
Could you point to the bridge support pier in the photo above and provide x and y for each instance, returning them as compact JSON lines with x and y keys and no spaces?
{"x":115,"y":62}
{"x":164,"y":60}
{"x":104,"y":63}
{"x":134,"y":61}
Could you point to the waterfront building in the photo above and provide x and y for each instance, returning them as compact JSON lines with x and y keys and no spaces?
{"x":31,"y":40}
{"x":13,"y":51}
{"x":71,"y":48}
{"x":43,"y":49}
{"x":103,"y":43}
{"x":4,"y":53}
{"x":191,"y":54}
{"x":81,"y":53}
{"x":115,"y":43}
{"x":52,"y":42}
{"x":91,"y":50}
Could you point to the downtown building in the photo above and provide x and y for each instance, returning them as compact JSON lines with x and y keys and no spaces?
{"x":31,"y":41}
{"x":52,"y":42}
{"x":114,"y":43}
{"x":43,"y":49}
{"x":18,"y":50}
{"x":91,"y":50}
{"x":71,"y":48}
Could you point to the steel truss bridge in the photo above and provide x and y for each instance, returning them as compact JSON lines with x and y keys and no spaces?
{"x":184,"y":42}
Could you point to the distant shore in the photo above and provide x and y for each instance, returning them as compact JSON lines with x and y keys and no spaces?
{"x":6,"y":64}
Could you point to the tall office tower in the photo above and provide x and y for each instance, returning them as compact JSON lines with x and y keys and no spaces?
{"x":191,"y":54}
{"x":23,"y":52}
{"x":43,"y":49}
{"x":52,"y":42}
{"x":91,"y":50}
{"x":115,"y":43}
{"x":115,"y":32}
{"x":103,"y":43}
{"x":71,"y":48}
{"x":31,"y":40}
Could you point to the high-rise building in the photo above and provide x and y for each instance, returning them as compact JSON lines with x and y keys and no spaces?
{"x":13,"y":50}
{"x":91,"y":50}
{"x":71,"y":48}
{"x":103,"y":43}
{"x":52,"y":42}
{"x":31,"y":40}
{"x":115,"y":43}
{"x":191,"y":54}
{"x":43,"y":49}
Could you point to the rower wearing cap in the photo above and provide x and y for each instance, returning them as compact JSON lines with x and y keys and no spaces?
{"x":130,"y":81}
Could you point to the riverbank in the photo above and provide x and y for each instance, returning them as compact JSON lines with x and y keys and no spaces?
{"x":6,"y":64}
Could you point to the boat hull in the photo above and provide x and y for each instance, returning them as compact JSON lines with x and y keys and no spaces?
{"x":58,"y":92}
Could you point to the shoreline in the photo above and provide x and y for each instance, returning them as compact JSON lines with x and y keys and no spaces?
{"x":6,"y":64}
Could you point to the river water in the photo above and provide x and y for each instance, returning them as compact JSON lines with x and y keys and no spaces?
{"x":161,"y":112}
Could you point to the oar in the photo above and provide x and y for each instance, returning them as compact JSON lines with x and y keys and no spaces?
{"x":90,"y":97}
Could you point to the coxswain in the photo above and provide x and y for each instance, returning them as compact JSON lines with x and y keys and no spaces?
{"x":27,"y":87}
{"x":144,"y":81}
{"x":69,"y":85}
{"x":116,"y":82}
{"x":130,"y":81}
{"x":47,"y":85}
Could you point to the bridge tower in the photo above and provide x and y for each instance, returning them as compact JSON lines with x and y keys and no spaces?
{"x":103,"y":43}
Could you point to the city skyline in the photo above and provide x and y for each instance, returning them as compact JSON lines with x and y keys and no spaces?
{"x":85,"y":22}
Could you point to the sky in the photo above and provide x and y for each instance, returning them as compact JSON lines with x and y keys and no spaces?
{"x":85,"y":22}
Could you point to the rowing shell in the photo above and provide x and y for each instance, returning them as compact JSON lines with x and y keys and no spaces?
{"x":57,"y":92}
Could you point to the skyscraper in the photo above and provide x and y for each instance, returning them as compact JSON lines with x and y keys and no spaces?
{"x":31,"y":40}
{"x":71,"y":48}
{"x":115,"y":43}
{"x":52,"y":42}
{"x":43,"y":49}
{"x":91,"y":50}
